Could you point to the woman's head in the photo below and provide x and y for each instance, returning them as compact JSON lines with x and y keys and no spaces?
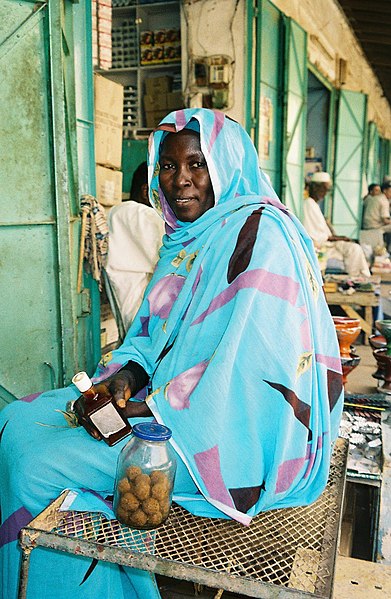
{"x":231,"y":166}
{"x":184,"y":177}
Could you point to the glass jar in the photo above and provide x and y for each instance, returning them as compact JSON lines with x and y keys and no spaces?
{"x":145,"y":477}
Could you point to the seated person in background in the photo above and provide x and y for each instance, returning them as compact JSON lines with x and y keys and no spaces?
{"x":373,"y":190}
{"x":253,"y":420}
{"x":335,"y":247}
{"x":376,"y":213}
{"x":135,"y":236}
{"x":386,"y":193}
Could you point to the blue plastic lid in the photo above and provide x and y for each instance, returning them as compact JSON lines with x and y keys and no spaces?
{"x":151,"y":431}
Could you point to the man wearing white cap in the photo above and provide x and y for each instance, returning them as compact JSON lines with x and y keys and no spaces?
{"x":335,"y":246}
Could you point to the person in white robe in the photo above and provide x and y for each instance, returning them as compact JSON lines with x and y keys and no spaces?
{"x":335,"y":247}
{"x":135,"y":237}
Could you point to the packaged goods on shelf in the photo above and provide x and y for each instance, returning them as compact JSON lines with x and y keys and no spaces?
{"x":124,"y":42}
{"x":160,"y":46}
{"x":130,"y":115}
{"x":101,"y":33}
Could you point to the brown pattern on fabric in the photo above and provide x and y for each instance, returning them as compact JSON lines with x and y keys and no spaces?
{"x":90,"y":570}
{"x":3,"y":429}
{"x":301,"y":410}
{"x":246,"y":497}
{"x":334,"y":387}
{"x":170,"y":127}
{"x":243,"y":251}
{"x":165,"y":351}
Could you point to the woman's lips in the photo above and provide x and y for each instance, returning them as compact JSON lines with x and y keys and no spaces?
{"x":182,"y":201}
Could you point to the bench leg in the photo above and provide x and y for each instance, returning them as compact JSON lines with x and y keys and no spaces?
{"x":24,"y":572}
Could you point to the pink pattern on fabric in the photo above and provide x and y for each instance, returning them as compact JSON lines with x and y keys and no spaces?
{"x":287,"y":473}
{"x":329,"y":361}
{"x":275,"y":202}
{"x":163,"y":295}
{"x":310,"y":464}
{"x":103,"y":372}
{"x":180,"y":388}
{"x":267,"y":282}
{"x":196,"y":280}
{"x":305,"y":334}
{"x":208,"y":464}
{"x":217,"y":126}
{"x":180,"y":119}
{"x":31,"y":397}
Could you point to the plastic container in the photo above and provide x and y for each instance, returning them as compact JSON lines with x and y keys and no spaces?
{"x":145,"y":477}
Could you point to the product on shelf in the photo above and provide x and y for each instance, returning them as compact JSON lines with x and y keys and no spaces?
{"x":160,"y":46}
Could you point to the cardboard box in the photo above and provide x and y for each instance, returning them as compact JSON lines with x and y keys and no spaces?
{"x":153,"y":117}
{"x":108,"y":186}
{"x":109,"y":101}
{"x":174,"y":100}
{"x":153,"y":103}
{"x":158,"y":85}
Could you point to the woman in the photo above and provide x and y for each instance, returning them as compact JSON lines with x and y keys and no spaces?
{"x":236,"y":344}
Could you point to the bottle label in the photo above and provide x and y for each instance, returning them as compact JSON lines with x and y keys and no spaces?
{"x":107,"y":420}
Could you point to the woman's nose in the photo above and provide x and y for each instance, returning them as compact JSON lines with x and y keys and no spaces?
{"x":183,"y":176}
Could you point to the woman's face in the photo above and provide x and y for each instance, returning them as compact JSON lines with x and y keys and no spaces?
{"x":184,"y":177}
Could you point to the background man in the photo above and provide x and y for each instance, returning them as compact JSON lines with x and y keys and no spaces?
{"x":135,"y":236}
{"x":334,"y":246}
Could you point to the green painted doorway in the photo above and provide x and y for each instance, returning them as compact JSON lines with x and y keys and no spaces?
{"x":47,"y":329}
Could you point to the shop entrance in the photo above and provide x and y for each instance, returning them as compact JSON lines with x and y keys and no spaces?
{"x":317,"y":156}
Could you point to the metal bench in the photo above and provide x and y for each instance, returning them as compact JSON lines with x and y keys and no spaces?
{"x":283,"y":553}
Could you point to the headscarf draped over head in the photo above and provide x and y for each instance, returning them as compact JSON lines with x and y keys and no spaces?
{"x":233,"y":167}
{"x":237,"y":338}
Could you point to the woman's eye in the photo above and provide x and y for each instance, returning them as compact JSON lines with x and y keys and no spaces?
{"x":167,"y":166}
{"x":199,"y":164}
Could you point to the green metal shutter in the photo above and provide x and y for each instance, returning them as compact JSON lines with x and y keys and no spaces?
{"x":348,"y":164}
{"x":269,"y":81}
{"x":373,"y":171}
{"x":39,"y":225}
{"x":294,"y":133}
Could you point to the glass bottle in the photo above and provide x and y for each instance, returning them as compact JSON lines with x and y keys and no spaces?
{"x":145,"y":477}
{"x":101,"y":412}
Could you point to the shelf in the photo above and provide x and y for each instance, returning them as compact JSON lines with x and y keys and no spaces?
{"x":151,"y":67}
{"x":163,"y":65}
{"x":119,"y":10}
{"x":122,"y":70}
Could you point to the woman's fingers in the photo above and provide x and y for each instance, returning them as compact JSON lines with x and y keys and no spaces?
{"x":120,"y":389}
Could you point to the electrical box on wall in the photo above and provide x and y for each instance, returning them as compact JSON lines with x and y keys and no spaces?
{"x":212,"y":78}
{"x":219,"y":73}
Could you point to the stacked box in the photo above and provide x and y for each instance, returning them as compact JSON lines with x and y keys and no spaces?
{"x":160,"y":99}
{"x":108,"y":186}
{"x":108,"y":104}
{"x":101,"y":33}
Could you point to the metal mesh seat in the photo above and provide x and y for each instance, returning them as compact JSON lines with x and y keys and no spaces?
{"x":292,"y":549}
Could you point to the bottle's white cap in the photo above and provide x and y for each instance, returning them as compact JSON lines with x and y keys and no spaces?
{"x":82,"y":381}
